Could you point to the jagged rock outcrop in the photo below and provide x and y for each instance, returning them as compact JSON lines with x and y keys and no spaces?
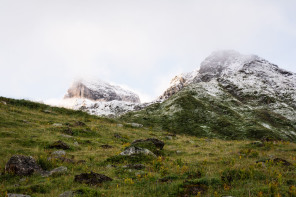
{"x":100,"y":98}
{"x":22,"y":165}
{"x":98,"y":90}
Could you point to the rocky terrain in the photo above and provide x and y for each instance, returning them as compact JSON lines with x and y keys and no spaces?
{"x":49,"y":151}
{"x":230,"y":95}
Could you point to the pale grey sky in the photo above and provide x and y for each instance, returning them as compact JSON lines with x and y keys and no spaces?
{"x":141,"y":44}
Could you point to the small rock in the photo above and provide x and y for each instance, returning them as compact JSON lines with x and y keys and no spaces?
{"x":22,"y":165}
{"x":168,"y":137}
{"x":76,"y":143}
{"x":91,"y":178}
{"x":60,"y":145}
{"x":66,"y":136}
{"x":117,"y":135}
{"x":120,"y":125}
{"x":111,"y":166}
{"x":3,"y":102}
{"x":136,"y":151}
{"x":276,"y":161}
{"x":134,"y":166}
{"x":257,"y":143}
{"x":158,"y":143}
{"x":57,"y":124}
{"x":68,"y":131}
{"x":67,"y":194}
{"x":106,"y":146}
{"x":178,"y":152}
{"x":282,"y":161}
{"x":59,"y":170}
{"x":79,"y":123}
{"x":58,"y":153}
{"x":81,"y":162}
{"x":17,"y":195}
{"x":136,"y":125}
{"x":140,"y":173}
{"x":47,"y":111}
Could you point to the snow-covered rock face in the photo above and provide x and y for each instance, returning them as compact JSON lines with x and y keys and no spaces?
{"x":98,"y":90}
{"x":100,"y":98}
{"x":220,"y":61}
{"x":248,"y":73}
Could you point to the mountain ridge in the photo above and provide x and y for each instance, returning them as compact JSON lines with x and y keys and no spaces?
{"x":243,"y":93}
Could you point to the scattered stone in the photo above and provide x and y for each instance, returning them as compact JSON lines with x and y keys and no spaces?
{"x":66,"y":136}
{"x":171,"y":134}
{"x":68,"y":131}
{"x":47,"y":111}
{"x":3,"y":102}
{"x":91,"y":178}
{"x":22,"y":165}
{"x":136,"y":151}
{"x":282,"y":161}
{"x":81,"y":162}
{"x":134,"y":166}
{"x":106,"y":146}
{"x":178,"y":152}
{"x":190,"y":142}
{"x":117,"y":135}
{"x":67,"y":194}
{"x":111,"y":166}
{"x":140,"y":172}
{"x":76,"y":143}
{"x":58,"y":153}
{"x":57,"y":124}
{"x":257,"y":143}
{"x":136,"y":125}
{"x":158,"y":143}
{"x":168,"y":137}
{"x":79,"y":123}
{"x":120,"y":125}
{"x":60,"y":145}
{"x":59,"y":170}
{"x":276,"y":161}
{"x":17,"y":195}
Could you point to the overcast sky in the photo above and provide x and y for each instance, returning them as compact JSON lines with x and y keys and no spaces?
{"x":142,"y":44}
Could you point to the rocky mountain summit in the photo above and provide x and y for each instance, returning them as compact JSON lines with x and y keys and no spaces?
{"x":230,"y":95}
{"x":97,"y":90}
{"x":231,"y":65}
{"x":100,"y":98}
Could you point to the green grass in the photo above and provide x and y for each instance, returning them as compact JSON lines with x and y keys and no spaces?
{"x":187,"y":164}
{"x":192,"y":113}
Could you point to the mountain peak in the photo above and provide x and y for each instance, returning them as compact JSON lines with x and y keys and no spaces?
{"x":98,"y":90}
{"x":224,"y":59}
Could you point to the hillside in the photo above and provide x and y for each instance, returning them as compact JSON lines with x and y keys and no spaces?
{"x":231,"y":96}
{"x":186,"y":166}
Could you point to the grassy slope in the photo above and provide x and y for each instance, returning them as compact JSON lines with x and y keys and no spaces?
{"x":26,"y":129}
{"x":193,"y":111}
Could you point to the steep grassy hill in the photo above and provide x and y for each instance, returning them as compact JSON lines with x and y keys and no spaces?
{"x":187,"y":166}
{"x":207,"y":109}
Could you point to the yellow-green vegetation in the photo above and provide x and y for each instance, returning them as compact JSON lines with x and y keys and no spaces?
{"x":187,"y":165}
